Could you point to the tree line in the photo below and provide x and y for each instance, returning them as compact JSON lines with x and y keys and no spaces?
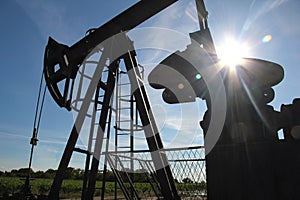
{"x":70,"y":173}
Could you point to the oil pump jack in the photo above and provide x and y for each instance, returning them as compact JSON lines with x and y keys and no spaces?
{"x":247,"y":162}
{"x":61,"y":64}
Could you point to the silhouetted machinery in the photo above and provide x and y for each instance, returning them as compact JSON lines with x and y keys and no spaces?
{"x":248,"y":161}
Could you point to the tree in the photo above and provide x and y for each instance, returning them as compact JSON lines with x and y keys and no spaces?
{"x":69,"y":173}
{"x":50,"y":173}
{"x":38,"y":174}
{"x":22,"y":172}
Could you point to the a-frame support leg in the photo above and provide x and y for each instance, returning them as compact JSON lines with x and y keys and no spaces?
{"x":101,"y":129}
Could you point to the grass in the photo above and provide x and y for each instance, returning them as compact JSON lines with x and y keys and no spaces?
{"x":72,"y":188}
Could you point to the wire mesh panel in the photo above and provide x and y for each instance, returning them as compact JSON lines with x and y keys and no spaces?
{"x":135,"y":172}
{"x":188,"y":168}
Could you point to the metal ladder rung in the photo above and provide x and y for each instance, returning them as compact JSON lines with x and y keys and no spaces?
{"x":128,"y":129}
{"x":127,"y":100}
{"x":125,"y":95}
{"x":122,"y":84}
{"x":125,"y":108}
{"x":104,"y":138}
{"x":124,"y":147}
{"x":125,"y":120}
{"x":123,"y":134}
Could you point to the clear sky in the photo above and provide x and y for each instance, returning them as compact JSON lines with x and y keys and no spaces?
{"x":270,"y":28}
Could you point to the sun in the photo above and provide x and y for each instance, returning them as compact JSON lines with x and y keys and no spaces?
{"x":231,"y":52}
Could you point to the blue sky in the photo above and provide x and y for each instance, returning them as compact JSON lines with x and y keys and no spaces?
{"x":26,"y":25}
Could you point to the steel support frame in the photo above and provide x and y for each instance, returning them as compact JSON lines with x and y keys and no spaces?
{"x":155,"y":144}
{"x":127,"y":20}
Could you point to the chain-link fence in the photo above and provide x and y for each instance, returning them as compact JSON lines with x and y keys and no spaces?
{"x":137,"y":178}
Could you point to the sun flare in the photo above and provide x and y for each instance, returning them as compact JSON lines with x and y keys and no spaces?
{"x":232,"y":52}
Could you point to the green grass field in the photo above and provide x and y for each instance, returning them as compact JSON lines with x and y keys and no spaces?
{"x":70,"y":188}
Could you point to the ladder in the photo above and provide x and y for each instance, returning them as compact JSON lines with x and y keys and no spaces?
{"x":126,"y":125}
